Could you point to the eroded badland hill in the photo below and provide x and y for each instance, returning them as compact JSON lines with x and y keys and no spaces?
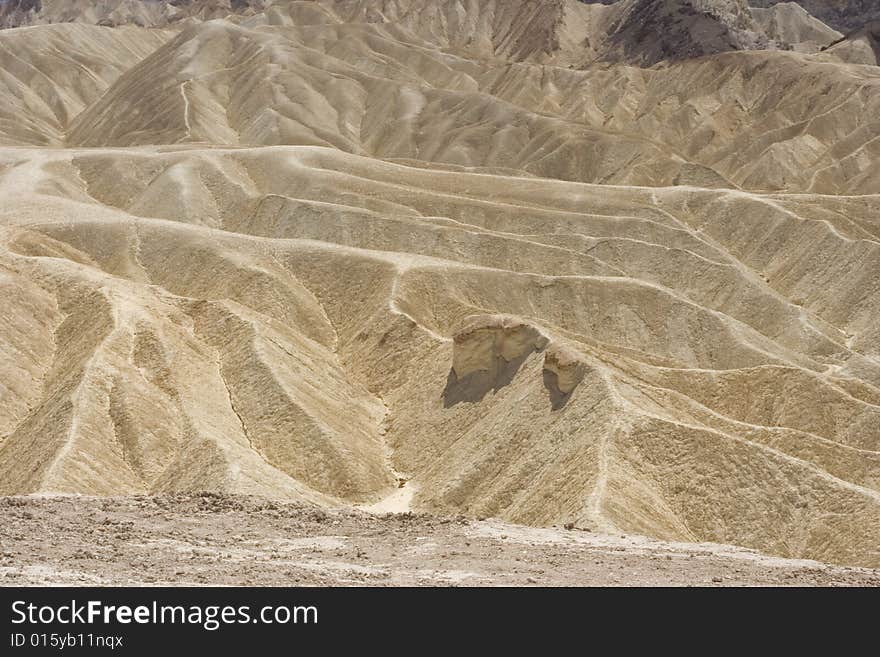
{"x":609,"y":265}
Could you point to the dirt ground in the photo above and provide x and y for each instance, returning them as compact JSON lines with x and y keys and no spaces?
{"x":220,"y":540}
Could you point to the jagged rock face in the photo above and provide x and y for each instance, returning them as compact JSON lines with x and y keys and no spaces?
{"x":487,"y":353}
{"x":147,"y":13}
{"x":509,"y":28}
{"x":567,"y":366}
{"x":489,"y":350}
{"x":842,"y":15}
{"x":732,"y":12}
{"x":563,"y":32}
{"x":15,"y":13}
{"x":489,"y":344}
{"x":650,"y":31}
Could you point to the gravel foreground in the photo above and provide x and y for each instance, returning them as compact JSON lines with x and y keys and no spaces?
{"x":212,"y":539}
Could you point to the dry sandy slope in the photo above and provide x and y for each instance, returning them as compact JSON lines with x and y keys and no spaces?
{"x":790,"y":23}
{"x":307,"y":324}
{"x":219,"y":540}
{"x":50,"y":74}
{"x":427,"y":84}
{"x":403,"y":256}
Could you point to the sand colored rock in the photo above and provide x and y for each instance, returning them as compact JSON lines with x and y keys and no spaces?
{"x":789,"y":23}
{"x":444,"y":257}
{"x":488,"y":344}
{"x":567,"y":368}
{"x":861,"y":46}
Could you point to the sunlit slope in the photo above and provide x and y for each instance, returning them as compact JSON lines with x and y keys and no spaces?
{"x":533,"y":260}
{"x":686,"y":363}
{"x":49,"y":74}
{"x":364,"y":89}
{"x":759,"y":121}
{"x":790,"y":23}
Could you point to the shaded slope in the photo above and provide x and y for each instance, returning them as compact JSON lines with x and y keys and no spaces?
{"x":647,"y":31}
{"x":842,"y":15}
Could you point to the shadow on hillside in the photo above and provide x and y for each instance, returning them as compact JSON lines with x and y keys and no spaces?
{"x":558,"y":399}
{"x":475,"y":386}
